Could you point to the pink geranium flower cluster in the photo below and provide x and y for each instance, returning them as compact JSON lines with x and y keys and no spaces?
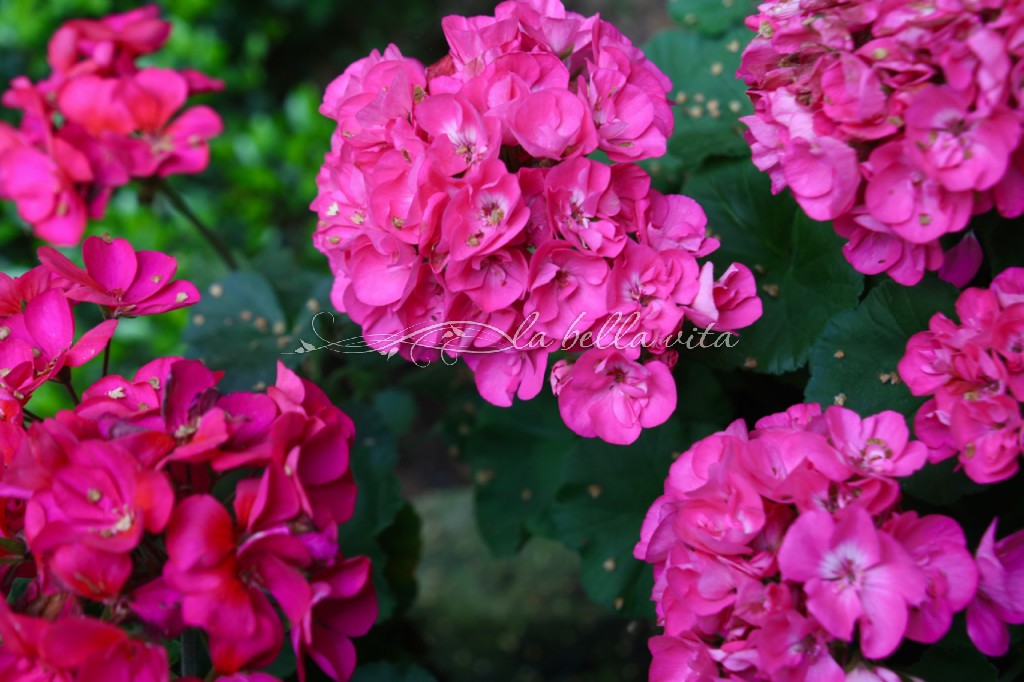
{"x":461,"y":213}
{"x":974,"y":374}
{"x":98,"y":121}
{"x":110,"y":507}
{"x":773,"y":547}
{"x":897,"y":120}
{"x":112,"y":503}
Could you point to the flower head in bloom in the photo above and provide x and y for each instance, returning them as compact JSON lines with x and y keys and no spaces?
{"x":97,"y":121}
{"x":775,"y":549}
{"x":973,"y":375}
{"x":113,"y":505}
{"x":462,"y":215}
{"x":125,"y":281}
{"x":898,"y":121}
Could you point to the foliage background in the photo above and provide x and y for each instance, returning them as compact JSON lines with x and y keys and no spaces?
{"x":502,"y":542}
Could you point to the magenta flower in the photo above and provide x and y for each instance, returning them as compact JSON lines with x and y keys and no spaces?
{"x":939,"y":547}
{"x":614,"y":397}
{"x":127,"y":282}
{"x":343,"y":606}
{"x":38,"y":342}
{"x":168,"y":145}
{"x":853,"y":573}
{"x":1000,"y":597}
{"x":878,"y":445}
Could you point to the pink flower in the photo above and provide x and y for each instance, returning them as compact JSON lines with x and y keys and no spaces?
{"x":45,"y":190}
{"x":939,"y":547}
{"x":111,"y":43}
{"x":39,"y":341}
{"x":823,"y":175}
{"x":486,"y":214}
{"x":343,"y":606}
{"x":553,"y":124}
{"x":987,"y":432}
{"x":960,"y":150}
{"x":127,"y":282}
{"x":1000,"y":597}
{"x":798,"y":647}
{"x":878,"y":445}
{"x":93,"y":514}
{"x":152,"y":97}
{"x":852,"y":573}
{"x":564,"y":285}
{"x":912,"y":205}
{"x":462,"y":137}
{"x":614,"y":397}
{"x":962,"y":262}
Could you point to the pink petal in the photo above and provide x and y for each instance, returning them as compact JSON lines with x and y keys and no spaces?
{"x":91,"y":344}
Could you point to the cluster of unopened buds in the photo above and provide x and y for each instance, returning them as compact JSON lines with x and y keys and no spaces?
{"x":98,"y":121}
{"x":112,"y":527}
{"x":463,"y":214}
{"x":973,"y":373}
{"x":897,"y":120}
{"x":772,"y":547}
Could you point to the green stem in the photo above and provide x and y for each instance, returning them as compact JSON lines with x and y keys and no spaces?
{"x":72,"y":392}
{"x":209,"y":235}
{"x":106,"y":359}
{"x":190,"y":646}
{"x":31,"y":415}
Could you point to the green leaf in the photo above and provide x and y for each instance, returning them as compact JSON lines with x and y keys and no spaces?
{"x":711,"y":17}
{"x":384,"y":671}
{"x":940,"y":484}
{"x":858,"y":351}
{"x":284,"y":665}
{"x":373,"y":459}
{"x":238,"y":327}
{"x":518,"y":456}
{"x":954,"y":664}
{"x":802,"y":276}
{"x":602,"y":506}
{"x":709,"y":97}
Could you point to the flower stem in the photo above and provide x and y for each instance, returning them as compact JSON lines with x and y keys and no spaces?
{"x":106,"y":360}
{"x":190,"y":653}
{"x":72,"y":392}
{"x":209,"y":235}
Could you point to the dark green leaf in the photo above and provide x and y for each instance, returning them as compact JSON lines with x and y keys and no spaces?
{"x":602,"y":506}
{"x":709,"y":97}
{"x":954,"y":664}
{"x":238,"y":327}
{"x":378,"y":503}
{"x":802,"y":276}
{"x":518,"y":456}
{"x":858,"y":351}
{"x":391,"y":672}
{"x":711,"y":17}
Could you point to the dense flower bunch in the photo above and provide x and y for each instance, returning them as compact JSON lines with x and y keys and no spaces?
{"x":110,"y":512}
{"x":974,"y":375}
{"x":98,"y":121}
{"x":461,"y":214}
{"x":898,"y":120}
{"x":772,"y":547}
